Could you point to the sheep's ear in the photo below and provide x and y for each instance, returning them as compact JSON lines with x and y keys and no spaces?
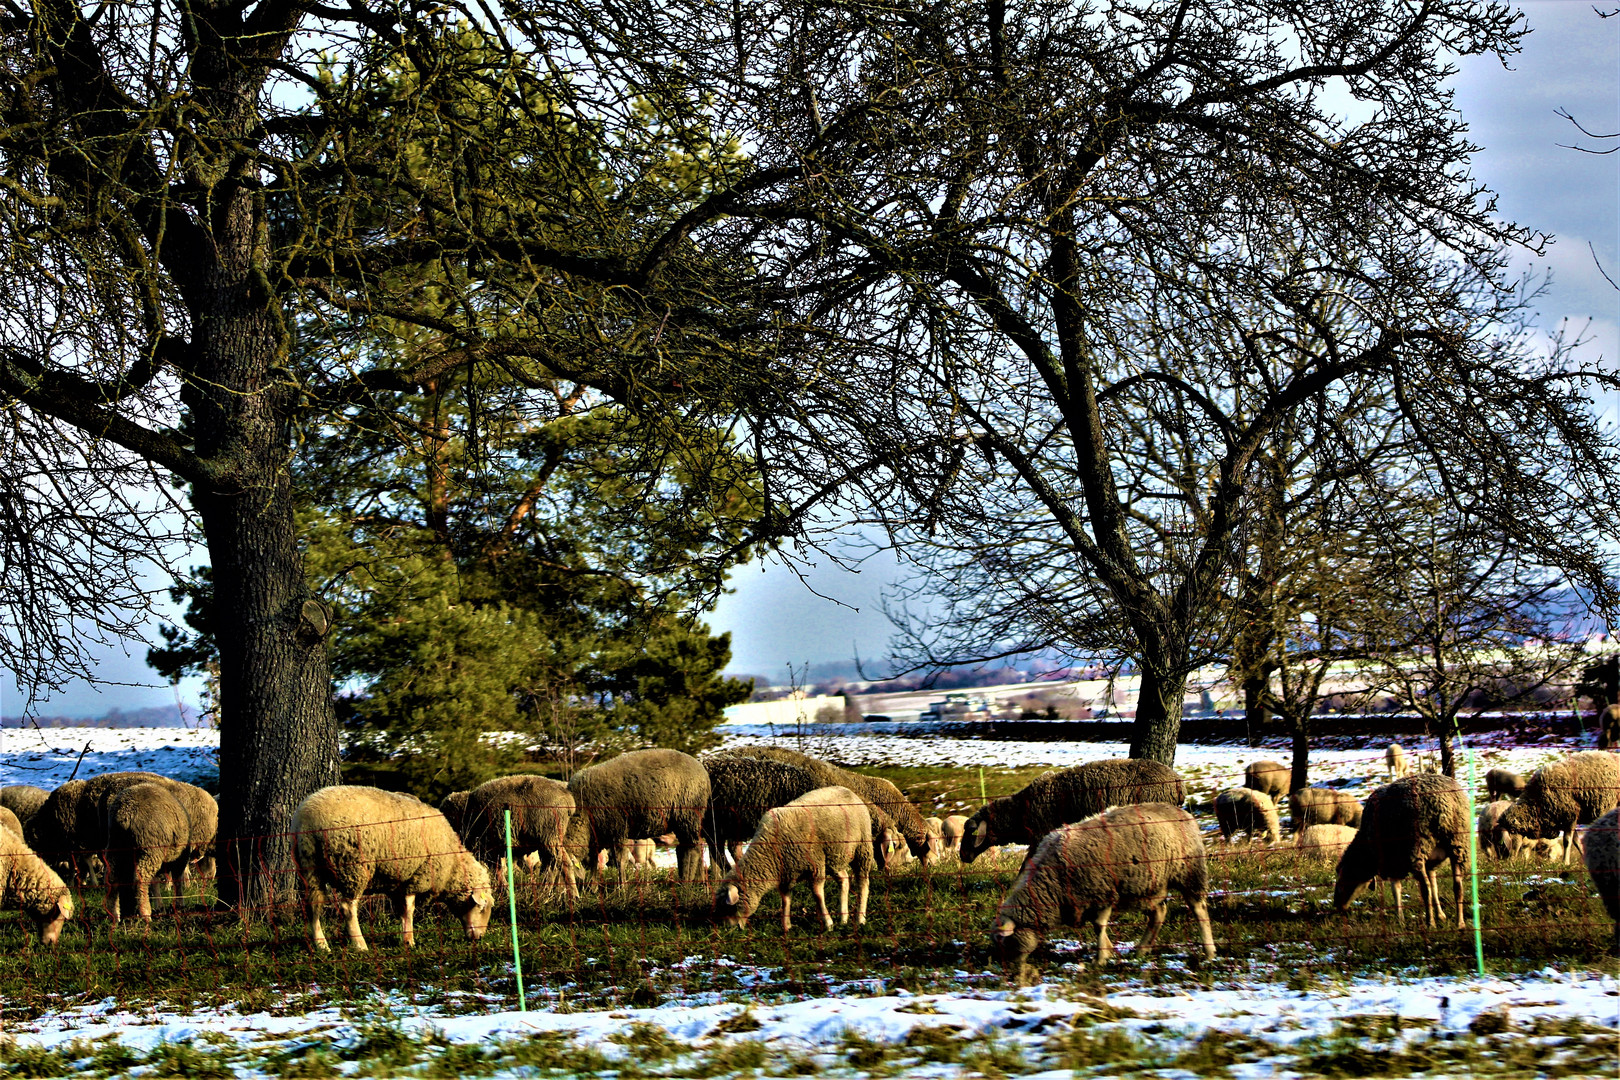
{"x":982,"y":833}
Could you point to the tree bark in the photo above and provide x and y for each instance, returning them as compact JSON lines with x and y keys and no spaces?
{"x":1300,"y":772}
{"x":1255,"y":713}
{"x":1158,"y":716}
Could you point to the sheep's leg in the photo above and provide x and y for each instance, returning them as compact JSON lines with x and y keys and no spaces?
{"x":787,"y":904}
{"x":315,"y":898}
{"x":407,"y":918}
{"x":843,"y":897}
{"x":1105,"y":948}
{"x":1400,"y":913}
{"x":357,"y":940}
{"x":818,"y":889}
{"x":1426,"y":893}
{"x":1569,"y":844}
{"x":860,"y":899}
{"x":565,"y":867}
{"x":1156,"y":916}
{"x":1200,"y":910}
{"x":1457,"y":889}
{"x":689,"y":859}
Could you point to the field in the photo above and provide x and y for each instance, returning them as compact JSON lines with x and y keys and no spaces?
{"x":635,"y":979}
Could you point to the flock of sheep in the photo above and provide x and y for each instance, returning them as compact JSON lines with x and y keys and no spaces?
{"x":1103,"y":836}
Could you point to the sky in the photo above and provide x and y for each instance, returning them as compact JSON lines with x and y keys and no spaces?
{"x":1570,"y":62}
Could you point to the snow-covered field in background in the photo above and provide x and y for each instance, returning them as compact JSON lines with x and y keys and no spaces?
{"x":46,"y":757}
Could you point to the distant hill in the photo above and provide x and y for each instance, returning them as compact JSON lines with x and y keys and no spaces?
{"x":152,"y":716}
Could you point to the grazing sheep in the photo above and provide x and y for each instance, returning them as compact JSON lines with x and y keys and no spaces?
{"x":1602,"y":858}
{"x":350,"y":841}
{"x":454,"y":808}
{"x":542,"y":810}
{"x":1131,"y":856}
{"x":631,"y":855}
{"x":741,"y":788}
{"x":1069,"y":795}
{"x":1503,"y":784}
{"x":1493,"y":839}
{"x":1270,"y":777}
{"x":1323,"y":806}
{"x":1248,"y":810}
{"x":1395,"y":761}
{"x":1548,"y":850}
{"x":8,"y":820}
{"x":1558,"y":797}
{"x":896,"y":809}
{"x":24,"y":800}
{"x":51,"y":831}
{"x":825,"y":832}
{"x":1412,"y":825}
{"x":1325,"y":842}
{"x":28,"y":884}
{"x":639,"y":795}
{"x":148,"y":834}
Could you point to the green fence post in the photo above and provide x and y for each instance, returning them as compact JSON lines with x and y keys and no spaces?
{"x":511,"y":907}
{"x":982,"y":799}
{"x":1473,"y":865}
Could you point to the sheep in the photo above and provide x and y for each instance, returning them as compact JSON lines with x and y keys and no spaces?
{"x":1326,"y":842}
{"x":638,"y":795}
{"x":29,"y":884}
{"x":148,"y":834}
{"x":1270,"y":777}
{"x":350,"y":841}
{"x":51,"y":831}
{"x":8,"y":820}
{"x":1549,"y":850}
{"x":1068,"y":795}
{"x":741,"y":788}
{"x":454,"y":808}
{"x":1395,"y":761}
{"x":1503,"y":784}
{"x":1558,"y":797}
{"x":1411,"y":826}
{"x":631,"y":855}
{"x":896,"y":810}
{"x":825,"y":832}
{"x":1130,"y":856}
{"x":542,"y":810}
{"x":1322,"y":806}
{"x":1602,"y":858}
{"x":24,"y":800}
{"x":1493,"y":839}
{"x":1248,"y":810}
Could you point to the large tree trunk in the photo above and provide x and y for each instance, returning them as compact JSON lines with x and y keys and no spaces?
{"x":1255,"y":713}
{"x":1300,"y":772}
{"x":1158,"y":716}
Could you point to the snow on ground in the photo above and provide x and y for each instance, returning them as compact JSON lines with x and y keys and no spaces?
{"x":46,"y":757}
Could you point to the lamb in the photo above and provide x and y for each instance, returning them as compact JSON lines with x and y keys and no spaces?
{"x":8,"y":820}
{"x":1130,"y":856}
{"x":639,"y":795}
{"x":1270,"y":777}
{"x":1412,"y":826}
{"x":631,"y":855}
{"x":1560,"y":796}
{"x":1323,"y":806}
{"x":1325,"y":842}
{"x":24,"y":800}
{"x":1602,"y":858}
{"x":27,"y":883}
{"x":895,"y":807}
{"x":1069,"y":795}
{"x":148,"y":834}
{"x":1493,"y":839}
{"x":542,"y":810}
{"x":1549,"y":850}
{"x":824,"y":832}
{"x":1503,"y":784}
{"x":741,"y":788}
{"x":1249,"y":810}
{"x":1395,"y":761}
{"x":350,"y":841}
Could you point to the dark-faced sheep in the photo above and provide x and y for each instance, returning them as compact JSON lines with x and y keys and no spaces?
{"x":350,"y":841}
{"x":641,"y":795}
{"x":1080,"y":874}
{"x":1069,"y":795}
{"x":1270,"y":777}
{"x":1503,"y":784}
{"x":825,"y":833}
{"x":28,"y":884}
{"x":1322,"y":806}
{"x":1602,"y":858}
{"x":24,"y":800}
{"x":1247,"y":810}
{"x":1575,"y":791}
{"x":1409,"y":828}
{"x":741,"y":788}
{"x":542,"y":810}
{"x":895,"y":809}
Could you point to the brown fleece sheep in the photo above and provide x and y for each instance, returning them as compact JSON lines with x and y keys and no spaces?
{"x":52,"y":830}
{"x":640,"y":795}
{"x":454,"y":808}
{"x":542,"y":809}
{"x":1131,"y":856}
{"x":1560,"y":796}
{"x":351,"y":841}
{"x":1503,"y":784}
{"x":148,"y":834}
{"x":1326,"y":842}
{"x":880,"y":793}
{"x":827,"y":832}
{"x":1602,"y":858}
{"x":1068,"y":795}
{"x":741,"y":788}
{"x":1323,"y":806}
{"x":24,"y":800}
{"x":1270,"y":777}
{"x":1411,"y":826}
{"x":1247,"y":810}
{"x":28,"y":884}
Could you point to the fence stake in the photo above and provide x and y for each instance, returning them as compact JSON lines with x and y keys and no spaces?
{"x":1473,"y":866}
{"x":982,"y":799}
{"x":511,"y":903}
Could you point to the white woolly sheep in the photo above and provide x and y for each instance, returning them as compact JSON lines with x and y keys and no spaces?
{"x":1325,"y":842}
{"x":1247,"y":810}
{"x":1323,"y":806}
{"x":639,"y":795}
{"x":350,"y":841}
{"x":1558,"y":797}
{"x":1494,"y":840}
{"x":542,"y":810}
{"x":827,"y":832}
{"x":1270,"y":777}
{"x":631,"y":855}
{"x":1395,"y":761}
{"x":1410,"y":827}
{"x":1503,"y":784}
{"x":894,"y":809}
{"x":23,"y":800}
{"x":1602,"y":858}
{"x":28,"y":884}
{"x":1068,"y":795}
{"x":1128,"y":857}
{"x":8,"y":820}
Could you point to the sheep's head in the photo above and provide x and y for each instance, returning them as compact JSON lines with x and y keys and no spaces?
{"x":732,"y":906}
{"x":891,"y":849}
{"x":977,"y":836}
{"x":50,"y":923}
{"x":1521,"y":819}
{"x":476,"y":912}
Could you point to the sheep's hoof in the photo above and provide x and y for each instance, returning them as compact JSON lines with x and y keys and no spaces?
{"x":322,"y":946}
